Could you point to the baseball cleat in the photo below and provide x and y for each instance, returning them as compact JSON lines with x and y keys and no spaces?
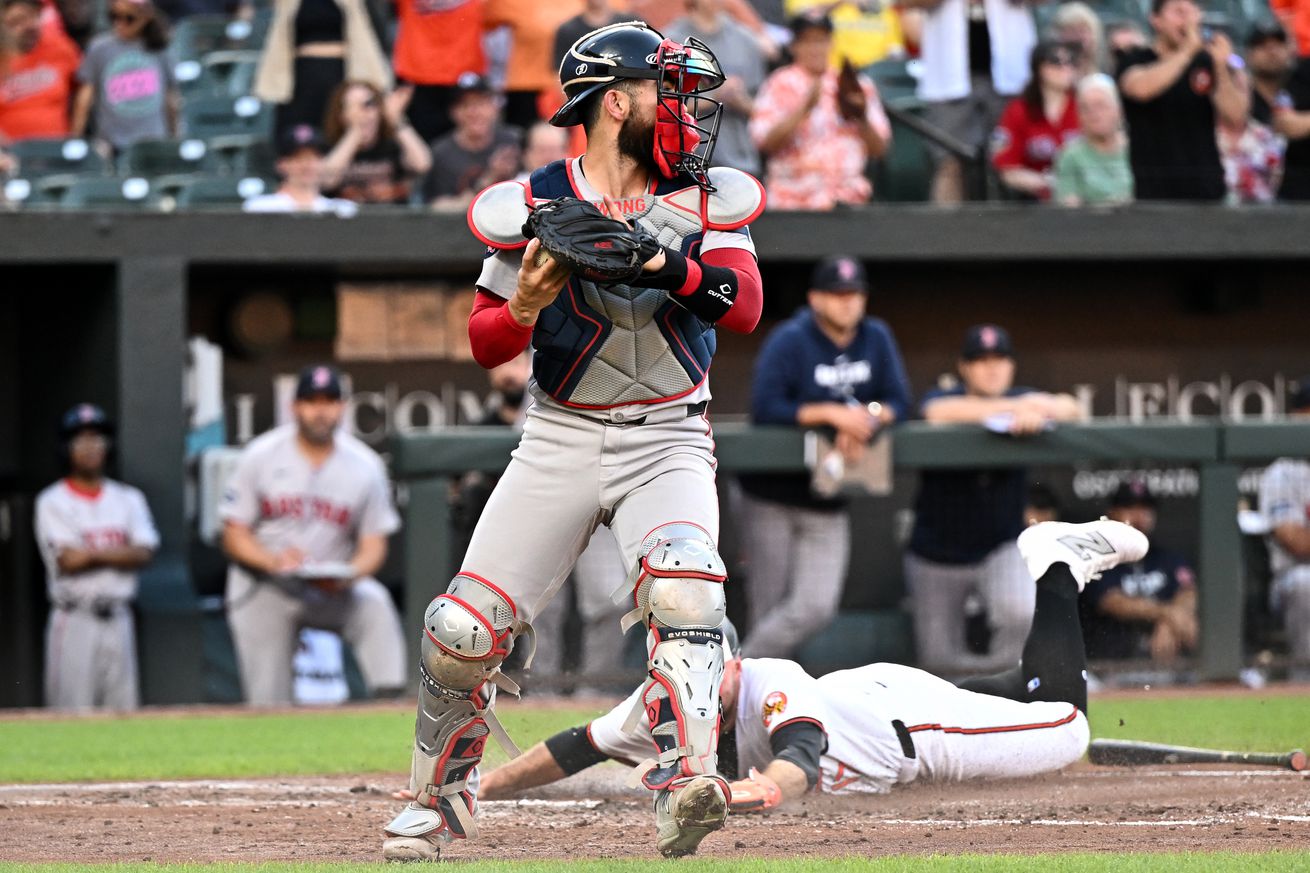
{"x":688,"y":812}
{"x":1089,"y":549}
{"x":417,"y":834}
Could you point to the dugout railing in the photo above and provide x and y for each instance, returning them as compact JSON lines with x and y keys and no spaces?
{"x":427,"y":464}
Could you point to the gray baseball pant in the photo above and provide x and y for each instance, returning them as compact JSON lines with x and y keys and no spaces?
{"x":938,"y":593}
{"x":91,"y":658}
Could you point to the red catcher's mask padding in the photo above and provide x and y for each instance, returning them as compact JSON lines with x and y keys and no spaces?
{"x":673,"y":136}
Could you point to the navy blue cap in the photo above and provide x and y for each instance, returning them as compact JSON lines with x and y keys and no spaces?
{"x":1299,"y":399}
{"x":1132,"y":492}
{"x":986,"y":339}
{"x":85,"y":416}
{"x":839,"y":273}
{"x":318,"y":380}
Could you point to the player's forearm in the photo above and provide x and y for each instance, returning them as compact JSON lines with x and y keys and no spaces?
{"x":240,"y":545}
{"x":496,"y":335}
{"x":966,"y":410}
{"x":1294,"y":539}
{"x":123,"y":557}
{"x":369,"y":555}
{"x":81,"y":109}
{"x":536,"y":766}
{"x":790,"y":779}
{"x":731,"y":271}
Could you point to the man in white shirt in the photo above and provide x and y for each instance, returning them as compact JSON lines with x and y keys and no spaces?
{"x":94,"y":534}
{"x":300,"y":164}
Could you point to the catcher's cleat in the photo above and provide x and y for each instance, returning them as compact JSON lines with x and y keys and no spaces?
{"x":417,"y":834}
{"x":687,"y":812}
{"x":1089,"y":549}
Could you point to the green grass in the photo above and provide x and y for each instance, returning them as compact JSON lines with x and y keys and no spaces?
{"x":1243,"y":724}
{"x":226,"y":746}
{"x":1229,"y":862}
{"x":376,"y":740}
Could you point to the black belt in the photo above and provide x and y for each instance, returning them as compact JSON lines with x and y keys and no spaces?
{"x":907,"y":741}
{"x":693,"y":409}
{"x":101,"y":609}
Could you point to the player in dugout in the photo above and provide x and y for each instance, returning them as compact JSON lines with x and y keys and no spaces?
{"x":861,"y":731}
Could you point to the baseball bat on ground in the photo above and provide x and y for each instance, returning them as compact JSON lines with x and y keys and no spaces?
{"x":1134,"y":752}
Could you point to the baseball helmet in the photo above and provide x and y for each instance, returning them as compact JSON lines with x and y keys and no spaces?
{"x":687,"y":122}
{"x":84,"y":416}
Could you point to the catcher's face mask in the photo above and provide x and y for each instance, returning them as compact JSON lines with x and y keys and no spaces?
{"x":686,"y":121}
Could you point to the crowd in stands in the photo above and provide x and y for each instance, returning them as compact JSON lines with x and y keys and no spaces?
{"x":421,"y":103}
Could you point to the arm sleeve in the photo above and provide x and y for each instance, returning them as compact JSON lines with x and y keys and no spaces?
{"x":775,"y":388}
{"x":1066,"y":181}
{"x":727,"y":265}
{"x":893,"y":387}
{"x":379,"y":515}
{"x":89,"y":70}
{"x":241,"y":496}
{"x":802,"y":743}
{"x":573,"y":751}
{"x":1008,"y":138}
{"x":142,"y":523}
{"x":1279,"y":500}
{"x":493,"y":333}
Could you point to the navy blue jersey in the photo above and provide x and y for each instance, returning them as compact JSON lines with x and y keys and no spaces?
{"x":961,"y":516}
{"x":1161,"y":575}
{"x":799,"y":364}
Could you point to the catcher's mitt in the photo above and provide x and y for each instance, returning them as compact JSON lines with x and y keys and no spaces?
{"x":590,"y":243}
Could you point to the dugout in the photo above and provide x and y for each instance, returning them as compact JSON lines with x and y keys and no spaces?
{"x":1149,"y":311}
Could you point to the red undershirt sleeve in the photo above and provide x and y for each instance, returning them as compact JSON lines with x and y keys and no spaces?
{"x":746,"y":308}
{"x":493,"y":333}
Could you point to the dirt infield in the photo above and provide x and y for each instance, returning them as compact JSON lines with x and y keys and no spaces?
{"x":1086,"y":808}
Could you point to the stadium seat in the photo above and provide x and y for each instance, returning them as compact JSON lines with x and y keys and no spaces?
{"x":243,"y":156}
{"x":45,"y":157}
{"x":132,"y":193}
{"x":228,"y":191}
{"x":157,"y":157}
{"x":197,"y":35}
{"x":232,"y":72}
{"x":897,"y":80}
{"x":904,"y":173}
{"x":209,"y":116}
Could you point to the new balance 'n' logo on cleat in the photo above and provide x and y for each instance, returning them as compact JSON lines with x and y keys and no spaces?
{"x":1089,"y":549}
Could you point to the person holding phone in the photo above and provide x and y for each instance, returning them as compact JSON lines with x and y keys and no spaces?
{"x":1175,"y":91}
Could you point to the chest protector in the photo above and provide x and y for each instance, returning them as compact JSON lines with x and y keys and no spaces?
{"x":596,"y":346}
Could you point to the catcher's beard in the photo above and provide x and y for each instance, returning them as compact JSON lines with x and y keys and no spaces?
{"x":637,"y":141}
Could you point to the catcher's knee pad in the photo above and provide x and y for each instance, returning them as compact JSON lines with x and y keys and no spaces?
{"x":467,"y":633}
{"x":677,"y":587}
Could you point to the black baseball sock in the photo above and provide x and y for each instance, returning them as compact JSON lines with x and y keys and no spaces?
{"x":1054,"y":662}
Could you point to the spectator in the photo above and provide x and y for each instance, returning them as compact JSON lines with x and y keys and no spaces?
{"x":816,"y":156}
{"x":436,"y":43}
{"x":94,"y":534}
{"x":477,"y":153}
{"x":830,"y":366}
{"x":1252,"y":157}
{"x":127,"y":78}
{"x":1285,"y":504}
{"x":1077,"y":26}
{"x":962,"y":543}
{"x":311,"y":48}
{"x":1295,"y":17}
{"x":300,"y":164}
{"x":1037,"y":124}
{"x":864,"y":32}
{"x":543,"y":144}
{"x":1269,"y":60}
{"x":38,"y":67}
{"x":532,"y":74}
{"x":658,"y":14}
{"x":1291,"y":118}
{"x":375,"y":153}
{"x":1093,"y":169}
{"x":306,"y":515}
{"x":1175,"y":93}
{"x":743,"y":62}
{"x":1144,"y":609}
{"x":975,"y":59}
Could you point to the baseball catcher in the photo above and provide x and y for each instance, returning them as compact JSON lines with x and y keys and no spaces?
{"x":618,"y":267}
{"x":867,"y":729}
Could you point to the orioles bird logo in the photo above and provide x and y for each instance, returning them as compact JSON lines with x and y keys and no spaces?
{"x":774,"y":704}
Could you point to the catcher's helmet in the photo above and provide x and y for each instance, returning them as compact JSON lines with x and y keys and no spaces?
{"x":84,"y":416}
{"x":687,"y":122}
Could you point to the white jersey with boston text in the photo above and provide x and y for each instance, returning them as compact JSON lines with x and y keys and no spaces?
{"x":70,"y":518}
{"x":322,"y":511}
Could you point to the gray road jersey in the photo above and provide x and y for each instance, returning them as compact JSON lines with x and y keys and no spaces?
{"x":323,"y":512}
{"x":69,"y":519}
{"x":635,"y":368}
{"x":1285,"y":499}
